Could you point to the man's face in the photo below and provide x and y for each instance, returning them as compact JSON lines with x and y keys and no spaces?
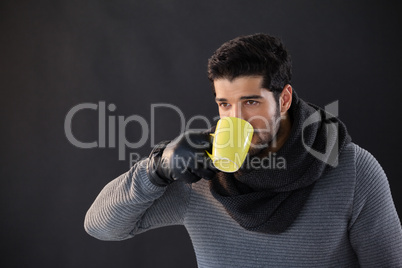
{"x":245,"y":98}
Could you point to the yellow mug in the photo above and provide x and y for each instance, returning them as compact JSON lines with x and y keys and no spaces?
{"x":232,"y":139}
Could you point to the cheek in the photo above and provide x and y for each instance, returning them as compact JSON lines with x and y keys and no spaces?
{"x":261,"y":120}
{"x":257,"y":124}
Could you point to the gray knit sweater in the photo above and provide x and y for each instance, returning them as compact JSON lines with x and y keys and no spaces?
{"x":349,"y":220}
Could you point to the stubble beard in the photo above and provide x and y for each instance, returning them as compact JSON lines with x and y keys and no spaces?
{"x":265,"y":140}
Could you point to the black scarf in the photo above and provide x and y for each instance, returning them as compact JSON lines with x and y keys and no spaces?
{"x":269,"y":199}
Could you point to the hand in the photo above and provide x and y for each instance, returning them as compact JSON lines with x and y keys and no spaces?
{"x":182,"y":159}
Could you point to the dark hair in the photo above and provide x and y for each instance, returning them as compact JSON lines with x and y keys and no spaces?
{"x":257,"y":54}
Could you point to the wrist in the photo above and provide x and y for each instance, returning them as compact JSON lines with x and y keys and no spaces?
{"x":155,"y":169}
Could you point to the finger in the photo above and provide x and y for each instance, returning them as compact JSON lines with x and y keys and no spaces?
{"x":189,"y":177}
{"x":204,"y":173}
{"x":211,"y":166}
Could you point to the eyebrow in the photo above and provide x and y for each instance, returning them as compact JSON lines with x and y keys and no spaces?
{"x":251,"y":97}
{"x":242,"y":98}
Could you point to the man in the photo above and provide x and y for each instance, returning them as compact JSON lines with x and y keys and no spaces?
{"x":329,"y":206}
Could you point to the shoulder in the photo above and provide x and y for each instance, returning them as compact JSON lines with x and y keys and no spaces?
{"x":368,"y":169}
{"x":372,"y":189}
{"x":362,"y":161}
{"x":364,"y":173}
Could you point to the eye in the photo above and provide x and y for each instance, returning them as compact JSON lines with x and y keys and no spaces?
{"x":224,"y":104}
{"x":251,"y":103}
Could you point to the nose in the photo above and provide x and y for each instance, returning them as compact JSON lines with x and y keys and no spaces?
{"x":236,"y":111}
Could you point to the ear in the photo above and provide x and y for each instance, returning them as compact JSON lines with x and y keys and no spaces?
{"x":285,"y":99}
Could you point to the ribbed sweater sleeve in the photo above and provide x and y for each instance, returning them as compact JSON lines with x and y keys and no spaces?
{"x":131,"y":204}
{"x":375,"y":230}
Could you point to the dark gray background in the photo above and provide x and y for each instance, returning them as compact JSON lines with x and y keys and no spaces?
{"x":57,"y":54}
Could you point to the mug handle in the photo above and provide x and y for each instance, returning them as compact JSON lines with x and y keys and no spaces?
{"x":210,"y":155}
